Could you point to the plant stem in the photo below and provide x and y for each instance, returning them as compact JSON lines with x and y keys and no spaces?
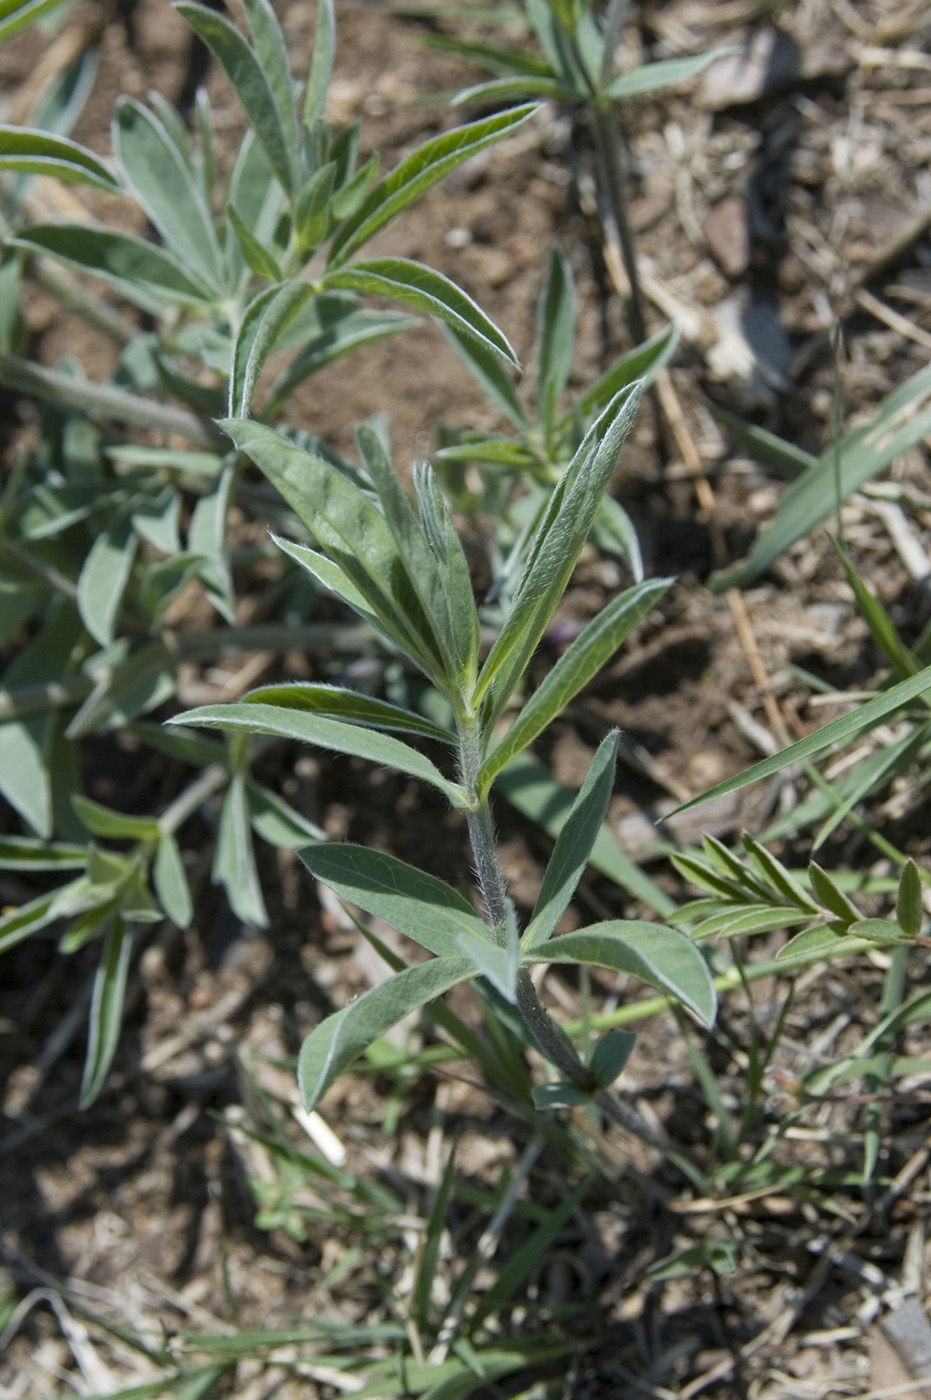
{"x":609,"y":146}
{"x":187,"y":802}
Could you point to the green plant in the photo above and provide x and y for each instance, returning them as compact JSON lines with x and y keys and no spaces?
{"x":402,"y":568}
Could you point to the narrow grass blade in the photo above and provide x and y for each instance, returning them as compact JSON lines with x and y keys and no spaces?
{"x":415,"y":903}
{"x":413,"y":284}
{"x":325,"y":733}
{"x":594,"y":646}
{"x":106,"y":1013}
{"x":341,"y":1038}
{"x":248,"y":81}
{"x":573,"y":848}
{"x":138,"y":268}
{"x":662,"y":957}
{"x":336,"y":702}
{"x":904,"y":419}
{"x":882,"y":628}
{"x":234,"y":864}
{"x":38,"y":153}
{"x":429,"y":163}
{"x":422,"y":1292}
{"x":830,"y":736}
{"x":167,"y":188}
{"x":555,"y":549}
{"x":651,"y":77}
{"x":266,"y":319}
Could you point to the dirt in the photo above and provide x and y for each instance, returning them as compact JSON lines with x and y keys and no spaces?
{"x":768,"y":217}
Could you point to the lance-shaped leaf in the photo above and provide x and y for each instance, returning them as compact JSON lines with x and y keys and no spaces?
{"x":660,"y":956}
{"x":321,"y":66}
{"x":249,"y":82}
{"x":276,"y":821}
{"x":422,"y":168}
{"x":564,"y":529}
{"x":207,"y":536}
{"x":455,"y":579}
{"x":28,"y":853}
{"x":584,"y":658}
{"x":513,"y":90}
{"x":17,"y":14}
{"x":341,"y":1038}
{"x":104,"y":821}
{"x":272,"y":54}
{"x":336,"y":702}
{"x":830,"y":736}
{"x":259,"y":258}
{"x":486,"y":368}
{"x":170,"y":881}
{"x":643,"y":362}
{"x":104,"y":577}
{"x":354,"y":328}
{"x":234,"y":857}
{"x":413,"y":902}
{"x":106,"y":1013}
{"x":167,"y":188}
{"x":145,"y":273}
{"x":38,"y":153}
{"x":353,"y":532}
{"x":414,"y":284}
{"x":650,"y":77}
{"x":266,"y":319}
{"x":555,"y":335}
{"x":326,"y":734}
{"x":574,"y":844}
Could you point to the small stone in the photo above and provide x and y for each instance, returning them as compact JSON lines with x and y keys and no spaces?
{"x":727,"y":233}
{"x":770,"y":63}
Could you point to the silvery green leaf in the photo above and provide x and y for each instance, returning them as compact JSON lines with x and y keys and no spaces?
{"x":104,"y":577}
{"x":643,"y":362}
{"x":272,"y":54}
{"x":166,"y":186}
{"x":583,"y":659}
{"x":17,"y":14}
{"x":155,"y":517}
{"x":486,"y":368}
{"x":103,"y":821}
{"x":555,"y":335}
{"x":574,"y":844}
{"x":106,"y":1013}
{"x":662,"y":957}
{"x":324,"y":733}
{"x":259,"y":258}
{"x":234,"y":857}
{"x":249,"y":82}
{"x":321,"y":66}
{"x":127,"y":683}
{"x":650,"y":77}
{"x":28,"y":853}
{"x":552,"y":557}
{"x":354,"y":329}
{"x":19,"y":923}
{"x":266,"y":318}
{"x":170,"y":881}
{"x":339,"y":1040}
{"x":413,"y":284}
{"x":207,"y":536}
{"x":415,"y":903}
{"x":427,"y":164}
{"x":498,"y":965}
{"x":610,"y":1056}
{"x":146,"y":274}
{"x":614,"y":533}
{"x":38,"y":153}
{"x":337,"y":702}
{"x":276,"y":821}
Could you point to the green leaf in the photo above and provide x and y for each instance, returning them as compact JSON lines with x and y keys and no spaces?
{"x":27,"y":853}
{"x":644,"y":363}
{"x":167,"y":188}
{"x":321,"y":67}
{"x":17,"y":14}
{"x":830,"y":736}
{"x":422,"y":168}
{"x":127,"y":683}
{"x":266,"y":319}
{"x":170,"y":881}
{"x":573,"y":848}
{"x":353,"y":532}
{"x":155,"y":517}
{"x":332,"y":578}
{"x":104,"y":577}
{"x":259,"y":258}
{"x":106,"y":1013}
{"x":103,"y":821}
{"x":498,"y":965}
{"x":825,"y":941}
{"x":882,"y":628}
{"x":908,"y":905}
{"x":775,"y":875}
{"x":207,"y":536}
{"x":352,"y":330}
{"x":325,"y":733}
{"x":877,"y":931}
{"x":415,"y":903}
{"x":486,"y":368}
{"x":147,"y":275}
{"x":614,"y":533}
{"x":650,"y":77}
{"x":718,"y":1254}
{"x":659,"y":956}
{"x":18,"y":924}
{"x":234,"y":857}
{"x":531,"y":788}
{"x":336,"y":702}
{"x":249,"y":82}
{"x":38,"y":153}
{"x":276,"y":821}
{"x":747,"y":919}
{"x":830,"y":896}
{"x":341,"y":1038}
{"x":272,"y":54}
{"x":555,"y":335}
{"x":610,"y":1056}
{"x":861,"y":454}
{"x":312,"y":209}
{"x":413,"y":284}
{"x":501,"y":90}
{"x":456,"y":599}
{"x":563,"y":531}
{"x":583,"y":659}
